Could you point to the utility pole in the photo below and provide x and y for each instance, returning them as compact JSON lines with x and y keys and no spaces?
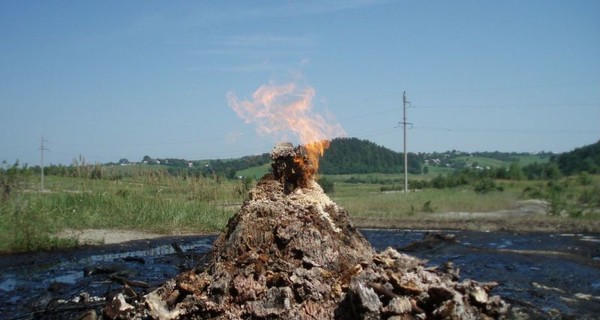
{"x":42,"y":148}
{"x":404,"y":124}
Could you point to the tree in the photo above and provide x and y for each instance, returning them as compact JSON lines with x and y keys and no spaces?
{"x":586,"y":158}
{"x":326,"y":184}
{"x":515,"y":172}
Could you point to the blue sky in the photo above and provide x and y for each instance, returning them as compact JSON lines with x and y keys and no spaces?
{"x":124,"y":79}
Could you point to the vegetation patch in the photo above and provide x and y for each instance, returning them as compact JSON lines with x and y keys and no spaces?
{"x":174,"y":196}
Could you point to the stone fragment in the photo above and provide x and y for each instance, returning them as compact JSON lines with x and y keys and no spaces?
{"x":399,"y":305}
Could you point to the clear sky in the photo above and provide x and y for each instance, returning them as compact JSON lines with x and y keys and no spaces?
{"x":123,"y":79}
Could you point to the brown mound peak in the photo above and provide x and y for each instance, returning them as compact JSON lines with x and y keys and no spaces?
{"x":292,"y":167}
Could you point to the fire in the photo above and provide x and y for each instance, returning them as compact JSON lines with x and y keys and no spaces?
{"x":280,"y":110}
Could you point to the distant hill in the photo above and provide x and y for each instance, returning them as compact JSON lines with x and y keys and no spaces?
{"x":355,"y":156}
{"x":586,"y":158}
{"x":352,"y":155}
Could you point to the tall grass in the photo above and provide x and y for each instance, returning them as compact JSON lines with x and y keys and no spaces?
{"x":148,"y":201}
{"x":25,"y":225}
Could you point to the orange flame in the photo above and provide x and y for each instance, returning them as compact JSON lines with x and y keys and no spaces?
{"x":284,"y":109}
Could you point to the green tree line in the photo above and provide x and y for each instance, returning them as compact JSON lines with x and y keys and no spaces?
{"x":352,"y":155}
{"x":349,"y":156}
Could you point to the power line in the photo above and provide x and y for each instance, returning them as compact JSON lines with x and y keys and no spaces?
{"x":505,"y":88}
{"x":524,"y":131}
{"x":365,"y":115}
{"x":552,"y":105}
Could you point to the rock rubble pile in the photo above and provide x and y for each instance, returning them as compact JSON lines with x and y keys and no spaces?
{"x":292,"y":253}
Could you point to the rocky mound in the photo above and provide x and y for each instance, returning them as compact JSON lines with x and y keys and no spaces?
{"x":292,"y":253}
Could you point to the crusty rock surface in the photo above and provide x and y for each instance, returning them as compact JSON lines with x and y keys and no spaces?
{"x":297,"y":256}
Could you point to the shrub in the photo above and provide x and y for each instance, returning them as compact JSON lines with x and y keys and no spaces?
{"x":557,"y":203}
{"x":534,"y":192}
{"x":486,"y":185}
{"x":584,"y":178}
{"x":427,"y":207}
{"x":326,"y":184}
{"x":590,"y":197}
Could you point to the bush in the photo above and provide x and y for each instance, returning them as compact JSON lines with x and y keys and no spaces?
{"x":418,"y":184}
{"x":557,"y":203}
{"x":534,"y":192}
{"x":590,"y":197}
{"x":96,"y":172}
{"x":355,"y":180}
{"x":584,"y":178}
{"x":427,"y":207}
{"x":326,"y":184}
{"x":486,"y":185}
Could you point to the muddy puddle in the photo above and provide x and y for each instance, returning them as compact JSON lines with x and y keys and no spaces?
{"x":551,"y":275}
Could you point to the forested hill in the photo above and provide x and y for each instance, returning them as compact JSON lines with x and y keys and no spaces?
{"x":586,"y":158}
{"x":352,"y":155}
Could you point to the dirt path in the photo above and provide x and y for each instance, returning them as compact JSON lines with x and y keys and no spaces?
{"x":115,"y":236}
{"x":106,"y":236}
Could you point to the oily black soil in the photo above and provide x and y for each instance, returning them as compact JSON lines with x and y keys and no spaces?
{"x":515,"y":223}
{"x":546,"y":275}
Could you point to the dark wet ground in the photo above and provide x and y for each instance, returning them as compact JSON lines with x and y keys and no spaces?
{"x":32,"y":284}
{"x":551,"y":275}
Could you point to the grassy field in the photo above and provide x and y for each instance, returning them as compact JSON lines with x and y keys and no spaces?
{"x":154,"y":201}
{"x":522,"y":160}
{"x":255,"y":172}
{"x":530,"y":159}
{"x":368,"y":201}
{"x":567,"y":196}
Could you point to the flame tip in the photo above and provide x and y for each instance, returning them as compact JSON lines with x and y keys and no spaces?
{"x":285,"y":108}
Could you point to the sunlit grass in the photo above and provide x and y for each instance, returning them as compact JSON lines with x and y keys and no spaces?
{"x":366,"y":200}
{"x":153,"y":203}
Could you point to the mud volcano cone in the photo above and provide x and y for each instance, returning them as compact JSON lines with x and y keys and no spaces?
{"x":292,"y":253}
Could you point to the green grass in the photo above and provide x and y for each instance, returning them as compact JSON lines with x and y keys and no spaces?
{"x":255,"y":172}
{"x":150,"y":202}
{"x":27,"y":226}
{"x":567,"y":196}
{"x":483,"y":161}
{"x":366,"y":200}
{"x":154,"y":201}
{"x":522,"y":160}
{"x":435,"y":171}
{"x":530,"y":159}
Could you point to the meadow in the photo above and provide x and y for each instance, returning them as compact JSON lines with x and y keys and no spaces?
{"x":149,"y":200}
{"x":152,"y":200}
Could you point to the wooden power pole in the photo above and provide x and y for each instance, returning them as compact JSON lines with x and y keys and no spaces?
{"x":404,"y":124}
{"x":42,"y":148}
